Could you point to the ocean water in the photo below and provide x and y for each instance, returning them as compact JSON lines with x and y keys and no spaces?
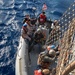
{"x":12,"y":13}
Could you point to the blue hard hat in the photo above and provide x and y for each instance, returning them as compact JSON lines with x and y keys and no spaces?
{"x":52,"y":46}
{"x":24,"y":24}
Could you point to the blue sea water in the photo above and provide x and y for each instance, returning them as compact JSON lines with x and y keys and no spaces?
{"x":12,"y":13}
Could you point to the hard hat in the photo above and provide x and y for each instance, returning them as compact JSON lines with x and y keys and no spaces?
{"x":52,"y":53}
{"x":55,"y":21}
{"x":50,"y":47}
{"x":40,"y":26}
{"x":38,"y":30}
{"x":46,"y":59}
{"x":46,"y":71}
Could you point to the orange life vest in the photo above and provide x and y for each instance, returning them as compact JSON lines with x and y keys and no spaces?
{"x":37,"y":72}
{"x":42,"y":18}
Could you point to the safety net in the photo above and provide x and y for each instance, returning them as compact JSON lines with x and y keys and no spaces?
{"x":64,"y":36}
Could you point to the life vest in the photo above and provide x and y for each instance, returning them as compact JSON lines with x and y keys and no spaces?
{"x":42,"y":18}
{"x":25,"y":29}
{"x":37,"y":72}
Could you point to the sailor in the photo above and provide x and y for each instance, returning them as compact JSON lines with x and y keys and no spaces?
{"x":25,"y":30}
{"x":33,"y":20}
{"x":55,"y":25}
{"x":53,"y":36}
{"x":33,"y":23}
{"x":30,"y":30}
{"x":45,"y":59}
{"x":49,"y":54}
{"x":55,"y":48}
{"x":43,"y":65}
{"x":38,"y":39}
{"x":46,"y":56}
{"x":42,"y":18}
{"x":38,"y":36}
{"x":29,"y":27}
{"x":26,"y":16}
